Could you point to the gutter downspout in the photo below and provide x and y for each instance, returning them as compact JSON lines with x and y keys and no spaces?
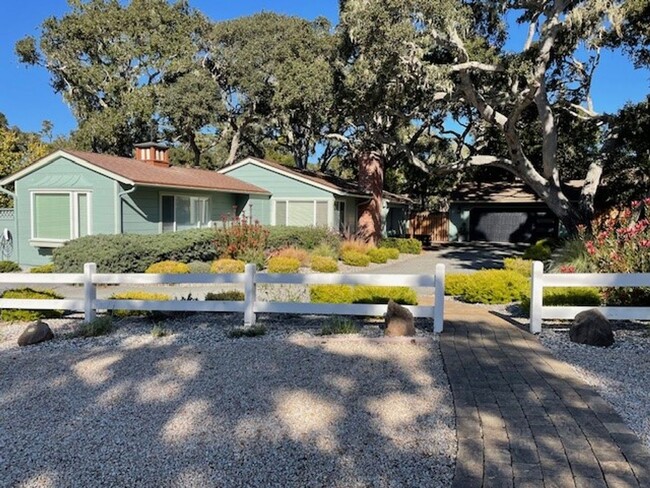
{"x":118,"y":210}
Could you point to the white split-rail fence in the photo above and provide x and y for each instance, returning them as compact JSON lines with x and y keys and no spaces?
{"x":540,"y":280}
{"x":90,"y":304}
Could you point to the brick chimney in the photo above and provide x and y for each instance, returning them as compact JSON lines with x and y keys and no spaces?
{"x":152,"y":153}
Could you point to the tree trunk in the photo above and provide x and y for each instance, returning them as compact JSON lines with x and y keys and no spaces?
{"x":196,"y":151}
{"x":371,"y":180}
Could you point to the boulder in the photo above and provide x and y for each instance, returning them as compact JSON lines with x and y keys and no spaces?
{"x":35,"y":333}
{"x":399,"y":321}
{"x":592,"y":328}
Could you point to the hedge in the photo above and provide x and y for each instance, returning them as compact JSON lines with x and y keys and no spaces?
{"x":168,"y":267}
{"x":378,"y":255}
{"x":19,"y":315}
{"x":137,"y":295}
{"x":521,"y":266}
{"x":281,"y":264}
{"x":405,"y":246}
{"x":566,"y":296}
{"x":489,"y":286}
{"x":303,"y":237}
{"x":354,"y":258}
{"x":362,"y":294}
{"x":324,"y":264}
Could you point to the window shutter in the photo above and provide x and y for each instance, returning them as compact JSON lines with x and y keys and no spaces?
{"x":301,"y":213}
{"x":321,"y":214}
{"x":52,"y":216}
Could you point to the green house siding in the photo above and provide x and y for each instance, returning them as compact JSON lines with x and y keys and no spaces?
{"x":279,"y":185}
{"x":61,"y":175}
{"x":257,"y":206}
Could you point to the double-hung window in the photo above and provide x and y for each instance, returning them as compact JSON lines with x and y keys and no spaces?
{"x":301,"y":212}
{"x":58,"y":216}
{"x":181,"y":212}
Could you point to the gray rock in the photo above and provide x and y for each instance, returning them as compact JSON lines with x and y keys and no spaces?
{"x":399,"y":321}
{"x":35,"y":333}
{"x":592,"y":328}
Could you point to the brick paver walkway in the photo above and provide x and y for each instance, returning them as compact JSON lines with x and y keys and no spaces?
{"x":524,"y":419}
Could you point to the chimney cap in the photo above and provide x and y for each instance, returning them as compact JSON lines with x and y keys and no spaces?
{"x":153,"y":144}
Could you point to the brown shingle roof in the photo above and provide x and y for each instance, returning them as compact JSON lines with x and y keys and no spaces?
{"x":174,"y":177}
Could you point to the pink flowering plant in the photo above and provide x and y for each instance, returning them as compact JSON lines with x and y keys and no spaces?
{"x":239,"y":236}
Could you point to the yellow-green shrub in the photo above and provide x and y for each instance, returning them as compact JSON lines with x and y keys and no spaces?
{"x":455,"y":284}
{"x":137,"y":295}
{"x":355,"y":258}
{"x":226,"y":296}
{"x":521,"y":266}
{"x":324,"y":264}
{"x":17,"y":315}
{"x":168,"y":267}
{"x":294,"y":253}
{"x":325,"y":250}
{"x":361,"y":294}
{"x":566,"y":296}
{"x":391,"y":252}
{"x":378,"y":255}
{"x":45,"y":268}
{"x":540,"y":251}
{"x":488,"y":286}
{"x":405,"y":246}
{"x":9,"y":267}
{"x":279,"y":264}
{"x":227,"y":266}
{"x":356,"y":245}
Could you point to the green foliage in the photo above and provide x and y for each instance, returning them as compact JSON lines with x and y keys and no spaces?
{"x":339,"y":325}
{"x":489,"y":286}
{"x":362,"y":294}
{"x":295,"y":253}
{"x":391,"y":252}
{"x":168,"y":267}
{"x":9,"y":267}
{"x":521,"y":266}
{"x":45,"y":268}
{"x":569,"y":296}
{"x":540,"y":251}
{"x":326,"y":251}
{"x":253,"y":331}
{"x":99,"y":327}
{"x":238,"y":235}
{"x":158,"y":331}
{"x":356,"y":244}
{"x":137,"y":295}
{"x":379,"y":255}
{"x":228,"y":266}
{"x":404,"y":246}
{"x":355,"y":258}
{"x":18,"y":315}
{"x":131,"y":253}
{"x":324,"y":264}
{"x":253,"y":256}
{"x":279,"y":264}
{"x":303,"y":237}
{"x":572,"y":255}
{"x":226,"y":296}
{"x":199,"y":267}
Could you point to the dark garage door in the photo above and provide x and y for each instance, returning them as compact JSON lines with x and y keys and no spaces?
{"x":508,"y":225}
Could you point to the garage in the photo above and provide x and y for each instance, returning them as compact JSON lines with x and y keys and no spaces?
{"x":494,"y":224}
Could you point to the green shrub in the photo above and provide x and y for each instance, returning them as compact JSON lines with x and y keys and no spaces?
{"x":573,"y":255}
{"x":279,"y":264}
{"x":324,"y":264}
{"x":199,"y":267}
{"x":355,"y":258}
{"x":301,"y":255}
{"x":566,"y":296}
{"x":540,"y":251}
{"x":303,"y":237}
{"x":253,"y":331}
{"x":239,"y":235}
{"x":9,"y":267}
{"x":18,"y":315}
{"x":159,"y":331}
{"x":133,"y":253}
{"x":168,"y":267}
{"x":226,"y":296}
{"x":98,"y":327}
{"x":339,"y":325}
{"x":45,"y":268}
{"x":489,"y":286}
{"x":405,"y":246}
{"x":378,"y":255}
{"x":137,"y":295}
{"x":253,"y":256}
{"x":326,"y":251}
{"x":227,"y":266}
{"x":521,"y":266}
{"x":356,"y":244}
{"x":391,"y":252}
{"x":362,"y":294}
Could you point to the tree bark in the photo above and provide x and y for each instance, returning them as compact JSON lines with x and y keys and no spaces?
{"x":371,"y":180}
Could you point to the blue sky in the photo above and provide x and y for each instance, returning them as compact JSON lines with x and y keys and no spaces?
{"x":26,"y":97}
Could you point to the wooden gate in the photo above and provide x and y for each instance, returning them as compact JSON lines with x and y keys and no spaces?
{"x":429,"y":226}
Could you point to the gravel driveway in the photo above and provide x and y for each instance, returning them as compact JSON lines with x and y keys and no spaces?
{"x":195,"y":408}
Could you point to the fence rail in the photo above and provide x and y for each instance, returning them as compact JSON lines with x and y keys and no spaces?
{"x":90,"y":304}
{"x":541,"y":280}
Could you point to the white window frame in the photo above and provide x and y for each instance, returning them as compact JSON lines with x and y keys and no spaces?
{"x":184,"y":195}
{"x":74,"y":215}
{"x":313,"y":201}
{"x":343,"y":213}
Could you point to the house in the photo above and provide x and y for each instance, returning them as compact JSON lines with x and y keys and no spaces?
{"x":307,"y":197}
{"x":70,"y":194}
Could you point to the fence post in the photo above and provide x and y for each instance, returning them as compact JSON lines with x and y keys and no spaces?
{"x":250,"y":294}
{"x":439,"y":292}
{"x":90,"y":292}
{"x":536,"y":297}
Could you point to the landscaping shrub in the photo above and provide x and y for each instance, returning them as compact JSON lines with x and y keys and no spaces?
{"x":489,"y":286}
{"x":354,"y":258}
{"x":17,"y":315}
{"x":303,"y":237}
{"x":405,"y":246}
{"x":540,"y":251}
{"x":566,"y":296}
{"x":326,"y":251}
{"x":340,"y":325}
{"x":168,"y":267}
{"x":137,"y":295}
{"x":391,"y":252}
{"x":227,"y":266}
{"x":45,"y":268}
{"x":521,"y":266}
{"x":98,"y":327}
{"x":572,"y":257}
{"x":199,"y":267}
{"x":238,"y":235}
{"x":323,"y":264}
{"x":253,"y":256}
{"x":294,"y":253}
{"x":9,"y":267}
{"x":279,"y":264}
{"x":355,"y":245}
{"x":132,"y":253}
{"x":362,"y":294}
{"x":159,"y":331}
{"x":254,"y":331}
{"x":378,"y":255}
{"x":226,"y":296}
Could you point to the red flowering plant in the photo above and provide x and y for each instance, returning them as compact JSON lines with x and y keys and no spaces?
{"x":621,"y":244}
{"x":240,"y":238}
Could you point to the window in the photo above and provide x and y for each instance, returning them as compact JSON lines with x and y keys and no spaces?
{"x":301,"y":212}
{"x":60,"y":216}
{"x":181,"y":212}
{"x":339,"y":215}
